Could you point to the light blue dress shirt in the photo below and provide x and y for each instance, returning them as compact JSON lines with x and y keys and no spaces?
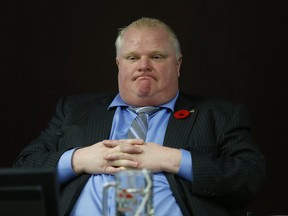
{"x":90,"y":200}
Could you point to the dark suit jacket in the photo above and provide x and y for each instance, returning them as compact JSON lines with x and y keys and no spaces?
{"x":228,"y":168}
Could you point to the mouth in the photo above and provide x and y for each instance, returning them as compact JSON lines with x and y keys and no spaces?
{"x":144,"y":78}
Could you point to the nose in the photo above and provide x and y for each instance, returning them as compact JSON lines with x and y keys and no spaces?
{"x":144,"y":65}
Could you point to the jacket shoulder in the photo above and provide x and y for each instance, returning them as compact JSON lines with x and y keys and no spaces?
{"x":103,"y":98}
{"x":212,"y":103}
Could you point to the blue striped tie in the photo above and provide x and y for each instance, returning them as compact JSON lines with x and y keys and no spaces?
{"x":139,"y":125}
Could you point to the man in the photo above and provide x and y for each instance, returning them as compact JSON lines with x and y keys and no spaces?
{"x":200,"y":150}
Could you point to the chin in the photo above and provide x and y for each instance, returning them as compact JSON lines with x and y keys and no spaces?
{"x":144,"y":94}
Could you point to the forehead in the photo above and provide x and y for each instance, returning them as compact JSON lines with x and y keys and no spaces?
{"x":146,"y":37}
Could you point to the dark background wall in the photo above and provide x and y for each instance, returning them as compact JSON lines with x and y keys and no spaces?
{"x":232,"y":49}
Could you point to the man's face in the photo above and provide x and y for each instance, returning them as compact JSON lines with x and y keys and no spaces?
{"x":148,"y":69}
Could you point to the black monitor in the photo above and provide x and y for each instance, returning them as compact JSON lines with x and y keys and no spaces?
{"x":30,"y":192}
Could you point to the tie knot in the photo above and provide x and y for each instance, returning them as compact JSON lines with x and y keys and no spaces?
{"x":144,"y":110}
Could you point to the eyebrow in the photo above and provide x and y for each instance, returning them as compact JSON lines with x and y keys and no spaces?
{"x":155,"y":52}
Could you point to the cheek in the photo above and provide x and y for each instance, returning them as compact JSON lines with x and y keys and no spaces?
{"x":124,"y":76}
{"x":122,"y":72}
{"x":168,"y":75}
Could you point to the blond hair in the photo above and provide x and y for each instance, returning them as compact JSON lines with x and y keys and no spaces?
{"x":149,"y":23}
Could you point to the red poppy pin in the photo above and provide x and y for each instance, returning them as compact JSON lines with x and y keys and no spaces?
{"x":182,"y":114}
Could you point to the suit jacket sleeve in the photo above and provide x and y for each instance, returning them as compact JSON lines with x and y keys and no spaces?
{"x":78,"y":121}
{"x":45,"y":151}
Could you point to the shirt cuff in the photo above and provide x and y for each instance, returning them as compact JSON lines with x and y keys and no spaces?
{"x":65,"y":171}
{"x":186,"y":166}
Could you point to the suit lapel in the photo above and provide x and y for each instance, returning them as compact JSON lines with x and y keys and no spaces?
{"x":177,"y":134}
{"x":98,"y":128}
{"x":178,"y":130}
{"x":100,"y":121}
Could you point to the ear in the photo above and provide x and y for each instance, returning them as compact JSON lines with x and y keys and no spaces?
{"x":117,"y":62}
{"x":179,"y":62}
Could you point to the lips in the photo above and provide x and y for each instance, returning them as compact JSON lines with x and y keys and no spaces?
{"x":143,"y":77}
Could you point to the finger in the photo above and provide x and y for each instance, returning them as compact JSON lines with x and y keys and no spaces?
{"x":134,"y":141}
{"x":112,"y":170}
{"x":123,"y":163}
{"x":130,"y":149}
{"x":111,"y":143}
{"x":117,"y":156}
{"x":114,"y":143}
{"x":127,"y":149}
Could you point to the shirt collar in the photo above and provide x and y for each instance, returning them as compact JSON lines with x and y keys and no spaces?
{"x":118,"y":102}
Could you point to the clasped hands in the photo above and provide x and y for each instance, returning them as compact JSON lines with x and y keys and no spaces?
{"x":111,"y":156}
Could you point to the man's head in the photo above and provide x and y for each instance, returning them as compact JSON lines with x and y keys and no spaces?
{"x":149,"y":60}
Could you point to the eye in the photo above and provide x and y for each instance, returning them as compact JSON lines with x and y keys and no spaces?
{"x":158,"y":57}
{"x":131,"y":58}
